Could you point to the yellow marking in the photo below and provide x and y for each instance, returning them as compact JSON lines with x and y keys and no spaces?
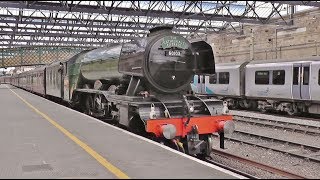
{"x":117,"y":172}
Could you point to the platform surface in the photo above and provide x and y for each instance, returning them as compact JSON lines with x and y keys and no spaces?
{"x":42,"y":139}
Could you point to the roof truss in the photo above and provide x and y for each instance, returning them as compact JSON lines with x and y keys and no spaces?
{"x":103,"y":20}
{"x":94,"y":23}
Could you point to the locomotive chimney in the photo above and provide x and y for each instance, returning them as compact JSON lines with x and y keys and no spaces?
{"x":160,"y":29}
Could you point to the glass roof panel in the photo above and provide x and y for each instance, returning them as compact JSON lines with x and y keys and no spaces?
{"x":128,"y":18}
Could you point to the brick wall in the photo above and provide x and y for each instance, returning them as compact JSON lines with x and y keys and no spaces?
{"x":259,"y":42}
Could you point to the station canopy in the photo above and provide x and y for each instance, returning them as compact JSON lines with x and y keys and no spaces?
{"x":95,"y":23}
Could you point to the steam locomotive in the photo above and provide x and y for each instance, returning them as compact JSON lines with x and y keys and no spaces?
{"x":144,"y":86}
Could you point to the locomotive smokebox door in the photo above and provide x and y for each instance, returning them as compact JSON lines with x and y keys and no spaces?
{"x":204,"y":58}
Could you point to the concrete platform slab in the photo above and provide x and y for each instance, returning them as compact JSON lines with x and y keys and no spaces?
{"x":35,"y":144}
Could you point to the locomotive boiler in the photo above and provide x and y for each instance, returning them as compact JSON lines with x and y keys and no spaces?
{"x":144,"y":85}
{"x":164,"y":63}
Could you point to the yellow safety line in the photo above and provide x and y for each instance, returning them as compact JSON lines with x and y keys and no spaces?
{"x":117,"y":172}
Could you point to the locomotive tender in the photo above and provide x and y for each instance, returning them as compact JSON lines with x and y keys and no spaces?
{"x":289,"y":85}
{"x":143,"y":85}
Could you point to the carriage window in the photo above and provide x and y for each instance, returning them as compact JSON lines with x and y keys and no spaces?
{"x":224,"y":77}
{"x":306,"y":75}
{"x":296,"y":75}
{"x":213,"y":79}
{"x":199,"y":80}
{"x":278,"y":77}
{"x":262,"y":77}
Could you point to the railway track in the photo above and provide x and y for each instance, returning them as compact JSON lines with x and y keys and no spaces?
{"x":310,"y":117}
{"x":209,"y":160}
{"x":306,"y":129}
{"x":255,"y":164}
{"x":295,"y":149}
{"x":275,"y":143}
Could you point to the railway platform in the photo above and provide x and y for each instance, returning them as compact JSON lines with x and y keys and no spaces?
{"x":42,"y":139}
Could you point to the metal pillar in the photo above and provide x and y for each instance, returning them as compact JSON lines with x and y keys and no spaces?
{"x":292,"y":11}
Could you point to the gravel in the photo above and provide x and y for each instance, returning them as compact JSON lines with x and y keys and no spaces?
{"x":278,"y":118}
{"x":276,"y":133}
{"x":244,"y":168}
{"x":279,"y":160}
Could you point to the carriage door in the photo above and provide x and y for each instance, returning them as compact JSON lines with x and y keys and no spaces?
{"x":305,"y":84}
{"x":201,"y":84}
{"x":301,"y":78}
{"x":65,"y":82}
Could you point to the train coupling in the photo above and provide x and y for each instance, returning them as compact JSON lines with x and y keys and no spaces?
{"x":194,"y":143}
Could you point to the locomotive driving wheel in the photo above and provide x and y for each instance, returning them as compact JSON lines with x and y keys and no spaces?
{"x":209,"y":145}
{"x":98,"y":102}
{"x":206,"y":151}
{"x":112,"y":89}
{"x":89,"y":105}
{"x":94,"y":105}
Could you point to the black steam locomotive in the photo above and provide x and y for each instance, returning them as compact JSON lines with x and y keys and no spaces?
{"x":143,"y":85}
